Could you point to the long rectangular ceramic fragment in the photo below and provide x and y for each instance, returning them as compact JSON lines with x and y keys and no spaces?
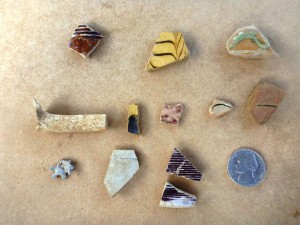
{"x":134,"y":119}
{"x":182,"y":167}
{"x":122,"y":167}
{"x":68,"y":123}
{"x":173,"y":197}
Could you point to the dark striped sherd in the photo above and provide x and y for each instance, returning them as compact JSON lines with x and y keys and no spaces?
{"x":84,"y":40}
{"x":169,"y":48}
{"x":264,"y":100}
{"x":182,"y":167}
{"x":173,"y":197}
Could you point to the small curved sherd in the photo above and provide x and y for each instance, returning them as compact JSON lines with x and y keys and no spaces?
{"x":122,"y":167}
{"x":84,"y":40}
{"x":169,"y":48}
{"x":134,"y":119}
{"x":171,"y":114}
{"x":264,"y":100}
{"x":68,"y":123}
{"x":219,"y":108}
{"x":173,"y":197}
{"x":249,"y":42}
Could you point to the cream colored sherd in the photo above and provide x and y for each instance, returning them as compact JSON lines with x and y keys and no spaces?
{"x":219,"y":108}
{"x":122,"y":167}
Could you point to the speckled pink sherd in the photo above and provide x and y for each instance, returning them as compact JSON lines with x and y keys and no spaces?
{"x":171,"y":114}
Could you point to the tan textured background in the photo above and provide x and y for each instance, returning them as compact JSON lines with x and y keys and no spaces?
{"x":35,"y":63}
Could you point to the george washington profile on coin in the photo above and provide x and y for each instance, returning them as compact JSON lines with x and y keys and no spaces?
{"x":246,"y":167}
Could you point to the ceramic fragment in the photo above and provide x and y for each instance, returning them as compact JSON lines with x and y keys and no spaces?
{"x":249,"y":42}
{"x":219,"y":108}
{"x":264,"y":100}
{"x":169,"y":48}
{"x":84,"y":40}
{"x":182,"y":167}
{"x":122,"y":167}
{"x":62,"y":169}
{"x":133,"y":119}
{"x":68,"y":123}
{"x":171,"y":114}
{"x":173,"y":197}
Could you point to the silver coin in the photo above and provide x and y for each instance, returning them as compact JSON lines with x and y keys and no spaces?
{"x":246,"y":167}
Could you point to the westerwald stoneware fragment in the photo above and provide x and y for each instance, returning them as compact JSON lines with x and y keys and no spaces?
{"x":249,"y":42}
{"x":168,"y":49}
{"x":68,"y":123}
{"x":122,"y":167}
{"x":182,"y":167}
{"x":264,"y":101}
{"x":173,"y":197}
{"x":84,"y":40}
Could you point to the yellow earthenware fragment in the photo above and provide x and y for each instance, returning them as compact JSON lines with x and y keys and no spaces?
{"x":133,"y":110}
{"x":169,"y":48}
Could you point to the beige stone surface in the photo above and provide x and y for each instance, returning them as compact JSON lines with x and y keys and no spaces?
{"x":36,"y":63}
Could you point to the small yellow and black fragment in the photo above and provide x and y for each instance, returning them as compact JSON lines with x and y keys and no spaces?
{"x":133,"y":119}
{"x":169,"y":48}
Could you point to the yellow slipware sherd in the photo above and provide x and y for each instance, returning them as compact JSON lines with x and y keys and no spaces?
{"x":133,"y":110}
{"x":169,"y":48}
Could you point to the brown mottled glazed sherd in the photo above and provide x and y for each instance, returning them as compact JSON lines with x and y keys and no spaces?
{"x":264,"y":100}
{"x":84,"y":40}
